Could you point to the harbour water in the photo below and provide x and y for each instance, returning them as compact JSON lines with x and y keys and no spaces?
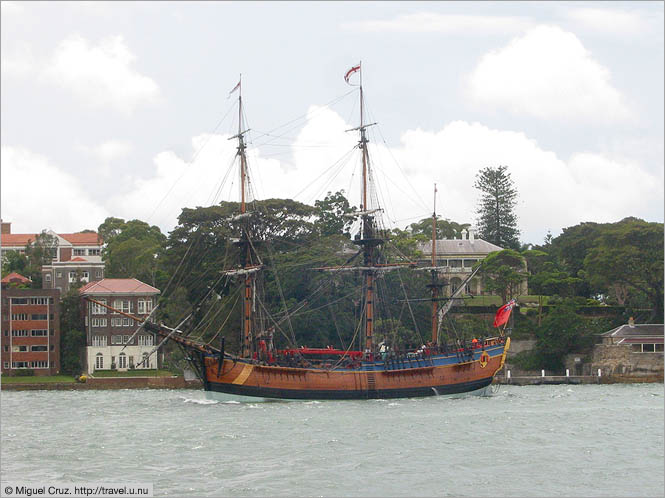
{"x":582,"y":440}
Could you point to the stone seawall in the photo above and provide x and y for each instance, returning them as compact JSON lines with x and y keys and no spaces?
{"x":108,"y":383}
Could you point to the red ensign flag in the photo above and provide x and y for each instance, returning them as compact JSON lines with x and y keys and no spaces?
{"x":503,"y":313}
{"x":350,"y":72}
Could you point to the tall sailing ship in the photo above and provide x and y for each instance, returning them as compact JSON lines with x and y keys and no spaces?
{"x":380,"y":370}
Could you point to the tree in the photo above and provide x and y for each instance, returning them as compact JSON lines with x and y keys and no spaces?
{"x":497,"y":222}
{"x":40,"y":252}
{"x":131,"y":249}
{"x":630,"y":254}
{"x":330,"y":213}
{"x":503,"y":272}
{"x":562,"y":332}
{"x":72,"y":335}
{"x":14,"y":262}
{"x":445,"y":229}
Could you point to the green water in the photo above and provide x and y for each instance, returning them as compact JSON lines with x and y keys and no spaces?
{"x":589,"y":440}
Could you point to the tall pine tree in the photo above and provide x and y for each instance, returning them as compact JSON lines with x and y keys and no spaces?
{"x":497,"y":222}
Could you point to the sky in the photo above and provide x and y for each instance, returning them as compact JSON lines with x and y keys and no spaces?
{"x":123,"y":109}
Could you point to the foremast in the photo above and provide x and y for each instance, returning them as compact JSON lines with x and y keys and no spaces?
{"x":369,"y":238}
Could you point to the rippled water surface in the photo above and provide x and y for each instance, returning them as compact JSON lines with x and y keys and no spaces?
{"x":593,"y":440}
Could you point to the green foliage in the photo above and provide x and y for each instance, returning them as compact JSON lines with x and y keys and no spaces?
{"x":445,"y":229}
{"x":503,"y":272}
{"x":497,"y":222}
{"x":330,"y":215}
{"x":72,"y":337}
{"x":39,"y":252}
{"x":14,"y":262}
{"x":132,"y":249}
{"x":629,"y":255}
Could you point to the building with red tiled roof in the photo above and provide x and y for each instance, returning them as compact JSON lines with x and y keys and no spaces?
{"x":75,"y":256}
{"x":110,"y":344}
{"x":15,"y":278}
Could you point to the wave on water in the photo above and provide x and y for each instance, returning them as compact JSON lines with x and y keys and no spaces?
{"x":202,"y":401}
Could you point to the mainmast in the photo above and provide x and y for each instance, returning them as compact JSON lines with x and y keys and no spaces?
{"x":248,"y":268}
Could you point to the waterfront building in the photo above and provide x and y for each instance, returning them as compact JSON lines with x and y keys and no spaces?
{"x":74,"y":256}
{"x":632,"y":348}
{"x":457,"y":257}
{"x":30,"y":327}
{"x":109,"y":342}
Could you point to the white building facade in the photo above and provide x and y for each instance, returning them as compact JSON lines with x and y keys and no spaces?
{"x":110,"y":345}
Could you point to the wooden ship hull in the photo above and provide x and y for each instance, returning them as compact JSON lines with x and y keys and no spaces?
{"x":438,"y":374}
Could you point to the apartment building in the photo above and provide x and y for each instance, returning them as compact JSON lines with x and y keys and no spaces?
{"x":30,"y":328}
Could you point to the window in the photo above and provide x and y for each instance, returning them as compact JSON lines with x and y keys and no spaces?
{"x":116,"y":339}
{"x":98,"y":273}
{"x":19,"y":316}
{"x":97,"y":309}
{"x":94,"y":252}
{"x":52,"y":348}
{"x":146,"y":361}
{"x":6,"y":348}
{"x":19,"y":333}
{"x":19,"y":300}
{"x":79,"y":252}
{"x":36,"y":349}
{"x":6,"y":364}
{"x":145,"y":340}
{"x":99,"y":322}
{"x":99,"y":340}
{"x":85,"y":277}
{"x":39,"y":300}
{"x":116,"y":322}
{"x":40,"y":364}
{"x":19,"y":349}
{"x":122,"y":360}
{"x":125,"y":339}
{"x":20,"y":364}
{"x":144,"y":306}
{"x":127,"y":322}
{"x":38,"y":333}
{"x":648,"y":348}
{"x":124,"y":305}
{"x":39,"y":316}
{"x":51,"y":332}
{"x":131,"y":362}
{"x":47,"y":277}
{"x":659,"y":348}
{"x":99,"y":361}
{"x":58,"y":274}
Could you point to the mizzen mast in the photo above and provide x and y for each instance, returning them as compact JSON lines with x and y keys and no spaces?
{"x":435,"y":286}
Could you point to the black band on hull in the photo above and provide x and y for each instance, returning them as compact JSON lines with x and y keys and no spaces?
{"x":267,"y":392}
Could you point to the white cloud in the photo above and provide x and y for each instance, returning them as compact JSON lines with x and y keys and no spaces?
{"x":102,"y":75}
{"x":425,"y":22}
{"x":106,"y":152}
{"x":614,"y":22}
{"x":547,"y":73}
{"x":36,"y":194}
{"x":553,"y":192}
